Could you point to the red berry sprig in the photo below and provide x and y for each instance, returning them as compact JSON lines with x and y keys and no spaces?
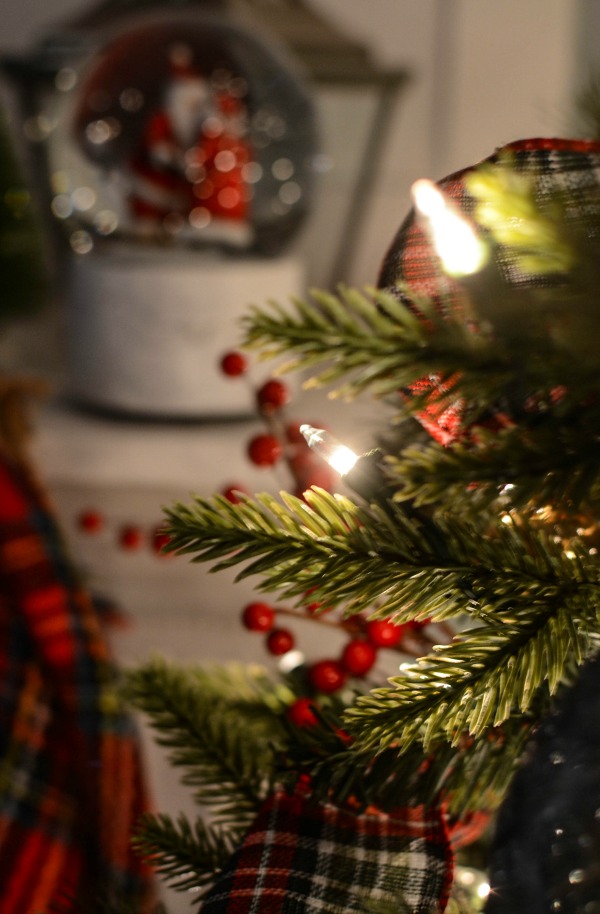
{"x":234,"y":364}
{"x":282,"y":441}
{"x":359,"y":654}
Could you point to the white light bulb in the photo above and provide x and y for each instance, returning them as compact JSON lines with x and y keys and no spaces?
{"x":456,"y":242}
{"x":336,"y":454}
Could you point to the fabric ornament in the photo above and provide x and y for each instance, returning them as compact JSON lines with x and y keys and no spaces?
{"x":557,"y":166}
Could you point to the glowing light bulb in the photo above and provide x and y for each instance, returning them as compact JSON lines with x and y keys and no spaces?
{"x":456,"y":242}
{"x":336,"y":454}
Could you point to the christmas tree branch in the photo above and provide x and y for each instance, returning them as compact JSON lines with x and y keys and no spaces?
{"x":383,"y":344}
{"x":363,"y":558}
{"x":556,"y":462}
{"x":188,"y":856}
{"x":480,"y":680}
{"x":225,"y":745}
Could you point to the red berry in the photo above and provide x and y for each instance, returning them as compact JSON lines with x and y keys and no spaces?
{"x":273,"y":395}
{"x":131,"y":537}
{"x":301,"y":713}
{"x":303,"y":462}
{"x":280,"y":641}
{"x":90,"y":521}
{"x":358,"y":657}
{"x":234,"y":364}
{"x":323,"y":477}
{"x":258,"y":617}
{"x":160,"y":540}
{"x":264,"y":450}
{"x":327,"y":675}
{"x":233,"y":492}
{"x":383,"y":633}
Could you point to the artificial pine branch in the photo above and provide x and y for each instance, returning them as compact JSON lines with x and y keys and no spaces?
{"x":362,"y":557}
{"x":226,"y":747}
{"x":479,"y":681}
{"x":187,"y":856}
{"x":555,"y":463}
{"x":381,"y":342}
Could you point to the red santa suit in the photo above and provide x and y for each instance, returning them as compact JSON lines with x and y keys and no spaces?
{"x":188,"y":172}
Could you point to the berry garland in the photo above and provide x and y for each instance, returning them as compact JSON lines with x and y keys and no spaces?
{"x":130,"y":537}
{"x":282,"y":441}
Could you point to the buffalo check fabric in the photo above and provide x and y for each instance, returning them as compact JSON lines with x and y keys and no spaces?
{"x":71,"y":786}
{"x":570,"y":168}
{"x":306,"y":857}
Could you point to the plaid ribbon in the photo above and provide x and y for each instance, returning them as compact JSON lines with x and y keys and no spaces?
{"x":305,"y":857}
{"x":70,"y":781}
{"x":569,"y":167}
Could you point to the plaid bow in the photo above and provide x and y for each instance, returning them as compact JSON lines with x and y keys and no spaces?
{"x":70,"y":781}
{"x":305,"y":857}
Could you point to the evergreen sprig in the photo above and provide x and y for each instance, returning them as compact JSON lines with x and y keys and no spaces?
{"x":376,"y":342}
{"x":380,"y":557}
{"x":556,"y":463}
{"x":476,"y":683}
{"x":188,"y":856}
{"x":225,"y":746}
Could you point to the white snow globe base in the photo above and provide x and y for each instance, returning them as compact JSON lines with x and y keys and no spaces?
{"x":147,"y":329}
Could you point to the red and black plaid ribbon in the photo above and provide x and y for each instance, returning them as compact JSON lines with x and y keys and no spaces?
{"x":306,"y":857}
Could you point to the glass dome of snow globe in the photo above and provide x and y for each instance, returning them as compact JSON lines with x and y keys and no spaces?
{"x":173,"y":126}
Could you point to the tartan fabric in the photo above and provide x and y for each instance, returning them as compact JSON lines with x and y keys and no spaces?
{"x":304,"y":857}
{"x":569,"y":167}
{"x":70,"y":780}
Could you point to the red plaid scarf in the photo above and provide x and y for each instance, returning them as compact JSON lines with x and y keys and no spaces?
{"x":70,"y":782}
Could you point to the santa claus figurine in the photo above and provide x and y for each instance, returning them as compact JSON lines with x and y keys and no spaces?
{"x":187,"y":176}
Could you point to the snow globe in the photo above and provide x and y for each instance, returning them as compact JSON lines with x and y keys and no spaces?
{"x":179,"y":147}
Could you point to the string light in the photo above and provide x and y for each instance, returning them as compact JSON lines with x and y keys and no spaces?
{"x":456,"y":242}
{"x":340,"y":457}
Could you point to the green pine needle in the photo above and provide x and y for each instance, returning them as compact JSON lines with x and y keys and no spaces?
{"x":187,"y":856}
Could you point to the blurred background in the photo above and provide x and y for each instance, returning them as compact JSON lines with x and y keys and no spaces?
{"x":359,"y":100}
